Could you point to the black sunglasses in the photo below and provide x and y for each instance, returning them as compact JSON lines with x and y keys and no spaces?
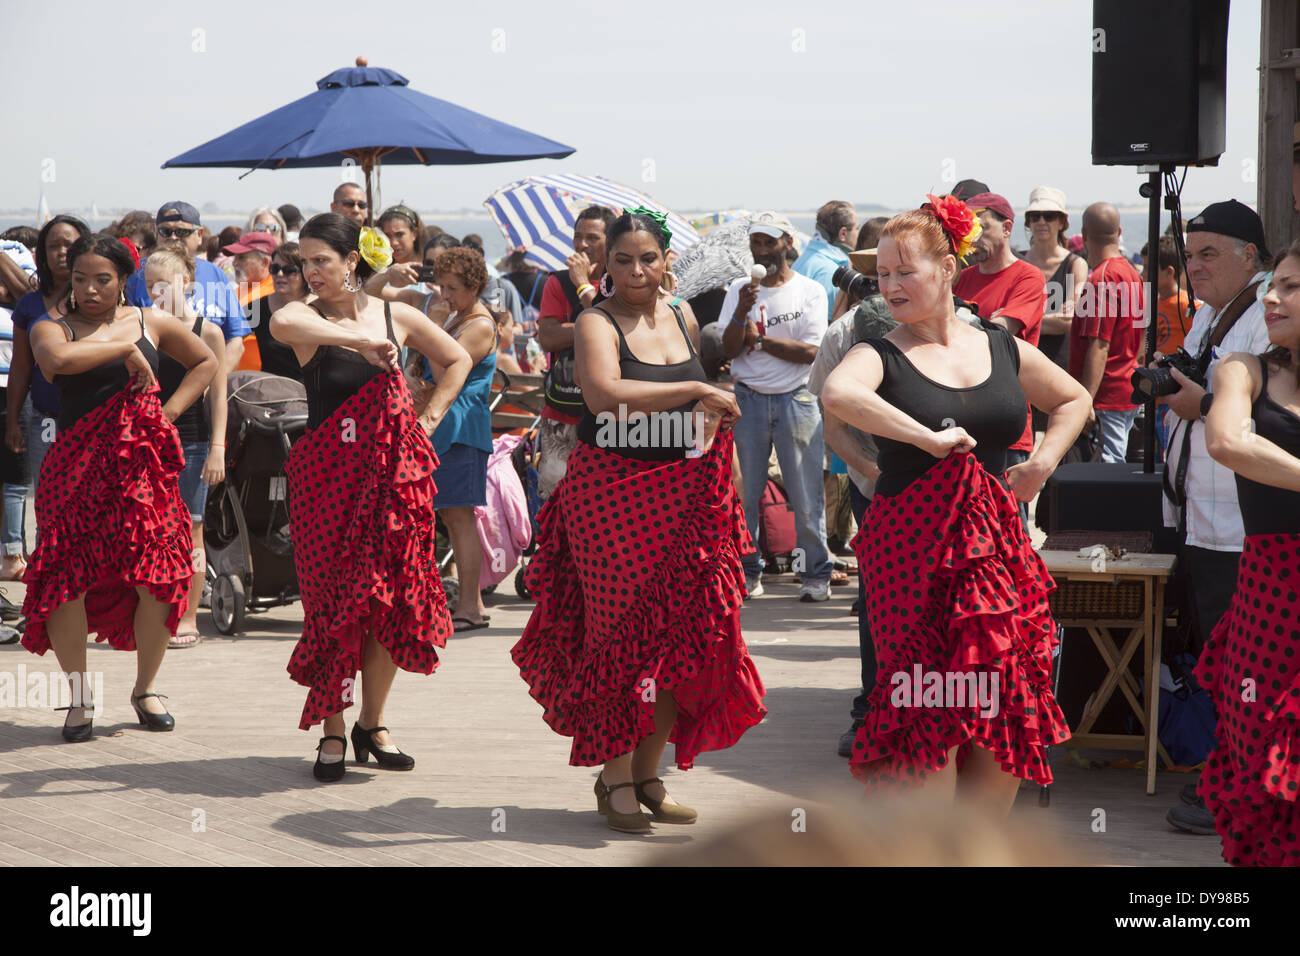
{"x":1035,"y":216}
{"x":277,"y":269}
{"x":354,"y":203}
{"x":169,"y":233}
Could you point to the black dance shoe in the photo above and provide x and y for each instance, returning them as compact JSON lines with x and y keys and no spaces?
{"x":329,"y":772}
{"x":363,"y":744}
{"x":159,"y":722}
{"x":76,"y":735}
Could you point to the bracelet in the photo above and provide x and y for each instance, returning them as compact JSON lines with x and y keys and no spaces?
{"x":585,"y":287}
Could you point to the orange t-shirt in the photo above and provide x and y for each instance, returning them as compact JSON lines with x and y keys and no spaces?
{"x":1172,"y":322}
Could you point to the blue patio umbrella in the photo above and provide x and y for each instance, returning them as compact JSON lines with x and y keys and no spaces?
{"x":369,"y":115}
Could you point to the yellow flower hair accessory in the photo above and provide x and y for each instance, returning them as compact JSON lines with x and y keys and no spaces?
{"x":374,"y":248}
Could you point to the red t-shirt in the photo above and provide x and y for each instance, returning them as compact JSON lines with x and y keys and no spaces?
{"x":1110,"y":308}
{"x":555,"y":306}
{"x":1018,"y":292}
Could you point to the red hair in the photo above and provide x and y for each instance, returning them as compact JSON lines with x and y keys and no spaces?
{"x":931,"y":238}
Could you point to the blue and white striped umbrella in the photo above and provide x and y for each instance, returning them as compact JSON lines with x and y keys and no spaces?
{"x":538,"y":214}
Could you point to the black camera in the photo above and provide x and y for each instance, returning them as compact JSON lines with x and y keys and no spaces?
{"x":854,"y":284}
{"x":1159,"y":381}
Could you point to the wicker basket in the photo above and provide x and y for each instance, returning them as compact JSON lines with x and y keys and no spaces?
{"x":1099,"y":600}
{"x":1138,"y":542}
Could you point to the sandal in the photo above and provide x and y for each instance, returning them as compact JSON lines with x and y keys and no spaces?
{"x":175,"y":643}
{"x":456,"y":623}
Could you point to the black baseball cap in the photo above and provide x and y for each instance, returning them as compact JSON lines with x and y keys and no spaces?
{"x":969,"y":187}
{"x":1235,"y":219}
{"x":178,"y":212}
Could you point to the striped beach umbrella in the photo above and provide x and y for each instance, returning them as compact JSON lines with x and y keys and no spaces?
{"x":537,"y":214}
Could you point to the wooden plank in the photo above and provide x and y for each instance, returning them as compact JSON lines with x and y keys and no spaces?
{"x":1137,"y":565}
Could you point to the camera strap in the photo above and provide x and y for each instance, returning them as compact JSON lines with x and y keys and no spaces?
{"x":1234,"y":310}
{"x":1177,"y":493}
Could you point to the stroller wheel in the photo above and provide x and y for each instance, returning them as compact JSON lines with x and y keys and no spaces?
{"x":521,"y":585}
{"x":228,"y":604}
{"x":451,"y":588}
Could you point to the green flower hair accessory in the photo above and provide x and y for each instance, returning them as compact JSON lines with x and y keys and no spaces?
{"x":660,"y":218}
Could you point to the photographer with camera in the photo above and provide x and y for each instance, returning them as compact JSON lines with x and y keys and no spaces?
{"x":1226,"y":261}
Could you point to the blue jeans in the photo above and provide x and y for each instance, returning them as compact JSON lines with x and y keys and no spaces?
{"x":194,"y":490}
{"x":37,"y":428}
{"x":1115,"y":426}
{"x":39,"y":432}
{"x":1017,"y":457}
{"x":792,"y":422}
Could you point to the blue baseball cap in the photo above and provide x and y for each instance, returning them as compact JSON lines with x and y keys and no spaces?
{"x":178,"y":212}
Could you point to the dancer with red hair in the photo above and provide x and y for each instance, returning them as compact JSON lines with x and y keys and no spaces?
{"x":956,"y":593}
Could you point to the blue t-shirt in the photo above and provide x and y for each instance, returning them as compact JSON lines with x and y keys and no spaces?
{"x":819,"y":261}
{"x":213,"y":296}
{"x":29,"y":310}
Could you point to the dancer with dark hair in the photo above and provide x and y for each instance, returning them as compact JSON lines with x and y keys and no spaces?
{"x":1251,"y":665}
{"x":954,"y":585}
{"x":635,"y":640}
{"x":361,"y":491}
{"x":114,"y":551}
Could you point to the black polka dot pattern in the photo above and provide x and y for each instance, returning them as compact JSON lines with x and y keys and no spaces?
{"x":954,"y":585}
{"x":111,"y":517}
{"x":1251,"y":779}
{"x":361,"y":505}
{"x":638,"y":584}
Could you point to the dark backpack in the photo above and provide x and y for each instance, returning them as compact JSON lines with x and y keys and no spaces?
{"x":562,"y":393}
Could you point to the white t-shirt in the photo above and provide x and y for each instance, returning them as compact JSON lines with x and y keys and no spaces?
{"x":1213,"y":514}
{"x":6,"y":343}
{"x":793,"y":310}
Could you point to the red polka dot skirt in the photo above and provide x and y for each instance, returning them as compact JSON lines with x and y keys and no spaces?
{"x":361,"y":504}
{"x":1250,"y":667}
{"x":639,"y":585}
{"x":111,"y":519}
{"x":957,"y":598}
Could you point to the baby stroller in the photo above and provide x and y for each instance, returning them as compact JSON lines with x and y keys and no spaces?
{"x":524,"y":459}
{"x":246,"y":522}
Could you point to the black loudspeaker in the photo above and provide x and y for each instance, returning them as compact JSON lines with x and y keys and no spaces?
{"x":1159,"y":85}
{"x":1097,"y":496}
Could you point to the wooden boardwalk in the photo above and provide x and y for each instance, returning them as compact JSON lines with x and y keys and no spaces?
{"x":232,"y":786}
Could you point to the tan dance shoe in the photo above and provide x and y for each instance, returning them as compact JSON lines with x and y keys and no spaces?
{"x":664,"y":812}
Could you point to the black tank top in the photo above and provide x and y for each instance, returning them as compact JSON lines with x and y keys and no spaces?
{"x":656,"y":439}
{"x":334,"y":374}
{"x":193,"y":422}
{"x":83,"y":392}
{"x":277,"y":358}
{"x":993,"y":412}
{"x":1266,"y":509}
{"x":1057,"y":347}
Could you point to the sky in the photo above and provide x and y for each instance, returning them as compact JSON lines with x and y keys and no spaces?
{"x":705,"y":105}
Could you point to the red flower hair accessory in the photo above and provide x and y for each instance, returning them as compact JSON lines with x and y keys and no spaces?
{"x":130,"y":247}
{"x":957,"y":219}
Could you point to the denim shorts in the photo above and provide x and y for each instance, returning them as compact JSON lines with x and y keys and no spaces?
{"x":461,"y":477}
{"x":194,"y":490}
